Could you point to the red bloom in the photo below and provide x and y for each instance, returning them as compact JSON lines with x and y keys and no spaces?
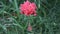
{"x":28,"y":8}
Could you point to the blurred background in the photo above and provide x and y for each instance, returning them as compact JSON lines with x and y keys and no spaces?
{"x":47,"y":20}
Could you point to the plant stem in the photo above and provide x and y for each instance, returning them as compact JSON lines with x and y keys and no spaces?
{"x":17,"y":10}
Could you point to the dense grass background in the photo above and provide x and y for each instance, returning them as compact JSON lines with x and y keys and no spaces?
{"x":47,"y":20}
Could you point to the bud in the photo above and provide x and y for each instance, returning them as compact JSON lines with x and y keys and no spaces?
{"x":29,"y":27}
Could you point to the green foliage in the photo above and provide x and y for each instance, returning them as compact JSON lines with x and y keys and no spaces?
{"x":47,"y":20}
